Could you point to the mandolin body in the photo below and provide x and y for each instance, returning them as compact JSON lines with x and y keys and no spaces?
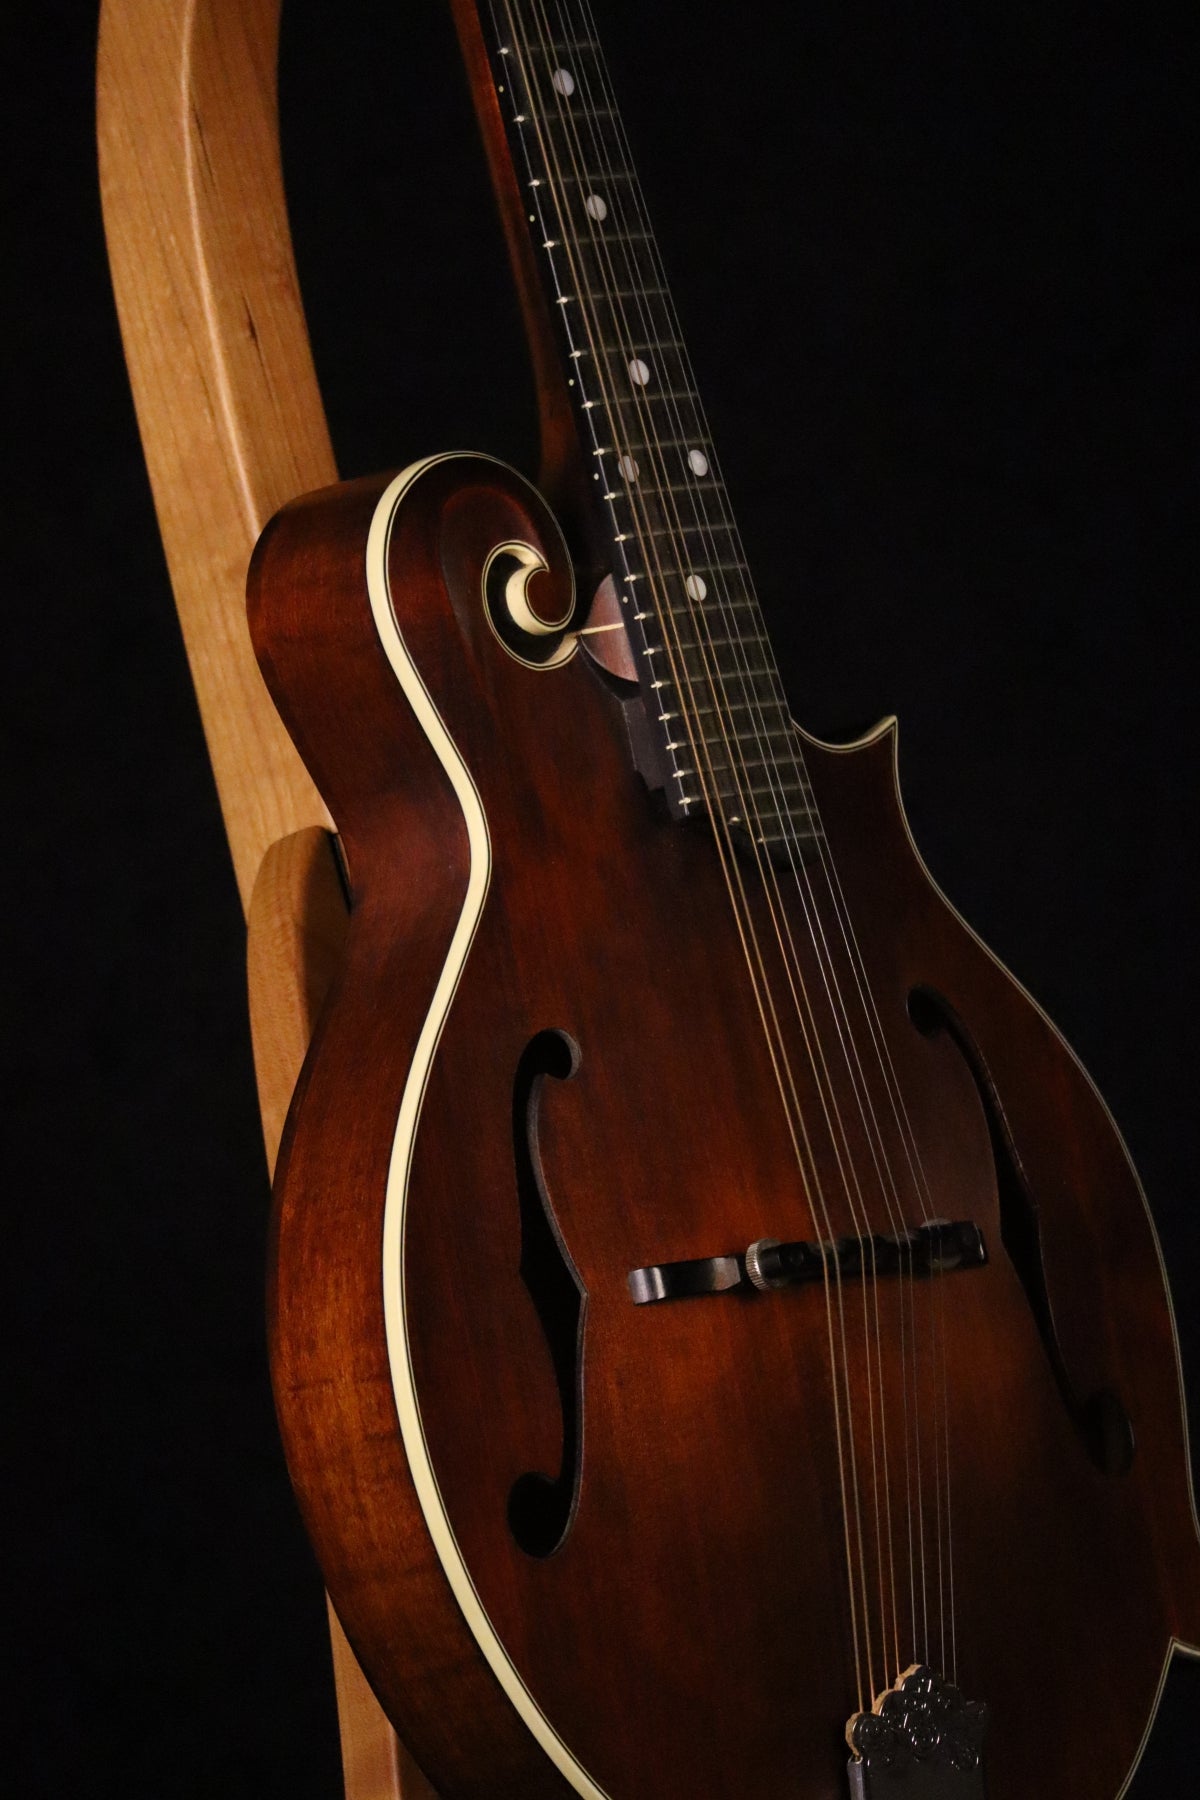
{"x":451,"y":1317}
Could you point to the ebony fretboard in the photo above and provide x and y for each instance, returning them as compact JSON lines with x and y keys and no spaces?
{"x":708,"y":672}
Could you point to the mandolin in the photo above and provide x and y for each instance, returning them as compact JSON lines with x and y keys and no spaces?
{"x":719,"y":1339}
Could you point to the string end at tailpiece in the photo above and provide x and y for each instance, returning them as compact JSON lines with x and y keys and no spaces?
{"x":922,"y":1740}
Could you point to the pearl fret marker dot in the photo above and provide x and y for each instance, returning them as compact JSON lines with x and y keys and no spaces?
{"x":595,"y":207}
{"x":697,"y":462}
{"x":563,"y":82}
{"x":628,"y":468}
{"x":639,"y":372}
{"x":696,"y":588}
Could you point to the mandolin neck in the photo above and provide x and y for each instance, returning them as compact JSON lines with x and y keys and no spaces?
{"x":609,"y":353}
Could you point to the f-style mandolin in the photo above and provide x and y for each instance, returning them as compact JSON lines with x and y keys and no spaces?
{"x":719,"y":1338}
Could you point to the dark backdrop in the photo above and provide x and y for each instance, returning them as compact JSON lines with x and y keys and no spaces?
{"x":938,"y":268}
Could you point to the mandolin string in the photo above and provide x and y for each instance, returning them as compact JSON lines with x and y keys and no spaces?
{"x":808,"y":1028}
{"x":652,"y":445}
{"x":823,"y":850}
{"x":637,"y":507}
{"x":701,"y":526}
{"x":862,"y":1094}
{"x":912,"y":1154}
{"x":605,"y":240}
{"x":917,"y":1168}
{"x":862,"y":1075}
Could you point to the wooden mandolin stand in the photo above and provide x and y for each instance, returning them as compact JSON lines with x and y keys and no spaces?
{"x":232,"y":426}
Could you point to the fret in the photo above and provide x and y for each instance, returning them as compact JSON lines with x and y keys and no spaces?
{"x":701,"y":482}
{"x":747,"y":674}
{"x":683,"y":519}
{"x":781,"y":724}
{"x":770,"y":822}
{"x":713,"y":675}
{"x":574,"y":115}
{"x":678,"y":648}
{"x":763,"y":764}
{"x":783,"y":802}
{"x":640,"y":293}
{"x":734,"y":604}
{"x":657,"y":531}
{"x":662,"y":443}
{"x":707,"y":568}
{"x":762,"y":809}
{"x":666,"y":443}
{"x":718,"y":611}
{"x":810,"y":828}
{"x":588,"y":180}
{"x":649,"y":345}
{"x":606,"y":236}
{"x":647,"y":396}
{"x":792,"y":796}
{"x":758,"y":787}
{"x":648,"y":492}
{"x":755,"y":736}
{"x":727,"y":643}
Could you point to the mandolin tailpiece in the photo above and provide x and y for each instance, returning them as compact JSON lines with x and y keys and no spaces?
{"x":923,"y":1740}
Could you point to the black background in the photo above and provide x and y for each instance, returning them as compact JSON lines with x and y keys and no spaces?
{"x":938,"y":269}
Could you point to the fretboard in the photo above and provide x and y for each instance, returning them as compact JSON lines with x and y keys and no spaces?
{"x":708,"y":674}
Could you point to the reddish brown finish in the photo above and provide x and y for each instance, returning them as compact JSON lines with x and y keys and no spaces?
{"x":690,"y":1638}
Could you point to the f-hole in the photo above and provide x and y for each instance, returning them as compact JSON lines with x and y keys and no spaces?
{"x":541,"y":1506}
{"x":1101,"y":1420}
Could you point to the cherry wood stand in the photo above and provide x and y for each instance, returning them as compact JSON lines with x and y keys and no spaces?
{"x":232,"y":427}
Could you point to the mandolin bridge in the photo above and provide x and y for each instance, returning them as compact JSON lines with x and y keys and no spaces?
{"x":934,"y":1248}
{"x":922,"y":1741}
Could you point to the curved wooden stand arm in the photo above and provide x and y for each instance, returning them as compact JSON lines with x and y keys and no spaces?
{"x":232,"y":427}
{"x":222,"y":376}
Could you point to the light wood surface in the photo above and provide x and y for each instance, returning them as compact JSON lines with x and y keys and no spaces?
{"x":222,"y":375}
{"x":296,"y":930}
{"x":375,"y":1762}
{"x":232,"y":427}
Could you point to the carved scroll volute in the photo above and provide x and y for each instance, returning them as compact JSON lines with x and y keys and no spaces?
{"x":232,"y":427}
